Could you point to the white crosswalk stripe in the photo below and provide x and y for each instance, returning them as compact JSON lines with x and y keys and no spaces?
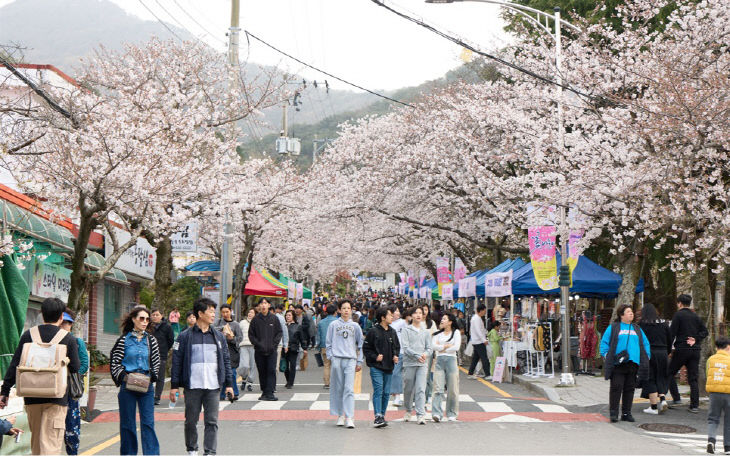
{"x":552,"y":408}
{"x":304,"y":397}
{"x":269,"y":405}
{"x":320,"y":405}
{"x":694,"y":442}
{"x":500,"y":407}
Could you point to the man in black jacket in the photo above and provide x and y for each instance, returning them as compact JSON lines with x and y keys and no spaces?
{"x":44,"y":414}
{"x":381,"y":349}
{"x":688,"y":332}
{"x":165,"y":337}
{"x":264,"y":332}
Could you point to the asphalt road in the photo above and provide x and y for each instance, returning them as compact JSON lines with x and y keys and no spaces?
{"x":494,"y":419}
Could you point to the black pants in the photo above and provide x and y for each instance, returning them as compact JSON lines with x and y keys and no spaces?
{"x":291,"y":365}
{"x":623,"y":384}
{"x":160,"y":385}
{"x":480,"y":353}
{"x":266,"y":365}
{"x":691,"y":360}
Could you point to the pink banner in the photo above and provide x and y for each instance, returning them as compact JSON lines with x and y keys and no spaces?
{"x":542,"y":256}
{"x":459,"y":270}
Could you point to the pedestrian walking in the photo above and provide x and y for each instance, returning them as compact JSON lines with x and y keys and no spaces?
{"x":297,"y":339}
{"x":431,"y":326}
{"x":284,"y":342}
{"x":201,"y":364}
{"x":446,"y":344}
{"x":416,"y":351}
{"x":247,"y":367}
{"x":626,"y":353}
{"x":344,"y":347}
{"x":305,"y":323}
{"x":322,"y":328}
{"x":381,"y":349}
{"x":134,"y":366}
{"x":72,"y":436}
{"x":234,"y":336}
{"x":478,"y":339}
{"x":495,"y":341}
{"x":44,"y":414}
{"x":660,"y":340}
{"x":718,"y":385}
{"x":396,"y":383}
{"x":688,"y":331}
{"x":165,"y":337}
{"x":190,"y":319}
{"x":265,"y":334}
{"x":174,"y":319}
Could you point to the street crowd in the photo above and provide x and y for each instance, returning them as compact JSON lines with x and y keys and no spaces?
{"x":413,"y":353}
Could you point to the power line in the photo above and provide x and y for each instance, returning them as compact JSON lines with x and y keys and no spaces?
{"x":324,"y":72}
{"x":160,"y":21}
{"x":482,"y":53}
{"x":198,"y":23}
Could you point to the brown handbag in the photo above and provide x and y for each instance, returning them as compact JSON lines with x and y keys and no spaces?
{"x":137,"y":382}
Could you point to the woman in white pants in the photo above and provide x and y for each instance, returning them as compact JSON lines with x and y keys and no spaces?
{"x":247,"y":367}
{"x":446,"y":344}
{"x":344,"y":349}
{"x":416,"y":345}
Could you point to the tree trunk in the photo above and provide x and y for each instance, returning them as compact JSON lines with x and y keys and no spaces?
{"x":629,"y":266}
{"x":79,"y":276}
{"x":702,"y":301}
{"x":163,"y":275}
{"x":242,"y":272}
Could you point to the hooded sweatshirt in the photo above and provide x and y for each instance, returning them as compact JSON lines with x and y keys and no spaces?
{"x":344,"y":340}
{"x":415,"y":342}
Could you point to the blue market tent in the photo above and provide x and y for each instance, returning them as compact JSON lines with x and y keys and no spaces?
{"x":204,"y":266}
{"x":504,"y":266}
{"x":589,"y":279}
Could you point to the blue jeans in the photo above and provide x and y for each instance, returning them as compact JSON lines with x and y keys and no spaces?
{"x":128,"y":402}
{"x":342,"y":384}
{"x":381,"y":390}
{"x":446,"y":386}
{"x":235,"y":386}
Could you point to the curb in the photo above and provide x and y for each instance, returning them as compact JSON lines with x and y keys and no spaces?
{"x":544,"y":391}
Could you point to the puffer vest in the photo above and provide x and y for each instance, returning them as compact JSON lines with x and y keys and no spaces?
{"x":718,"y":373}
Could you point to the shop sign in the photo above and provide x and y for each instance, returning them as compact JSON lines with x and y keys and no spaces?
{"x":51,"y":281}
{"x":139,"y":259}
{"x":468,"y":287}
{"x":214,"y":294}
{"x":542,"y":256}
{"x":499,"y":364}
{"x":498,"y":284}
{"x":185,"y":240}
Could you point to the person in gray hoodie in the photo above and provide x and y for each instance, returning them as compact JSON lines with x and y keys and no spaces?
{"x":416,"y":345}
{"x":344,"y":348}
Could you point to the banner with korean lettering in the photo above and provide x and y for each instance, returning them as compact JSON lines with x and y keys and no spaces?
{"x":468,"y":287}
{"x":542,"y":256}
{"x":424,"y":293}
{"x":459,"y":270}
{"x":402,"y":276}
{"x":447,"y":292}
{"x":300,"y":291}
{"x":291,"y":290}
{"x":422,"y":276}
{"x":185,"y":240}
{"x":442,"y":272}
{"x":51,"y":281}
{"x":411,"y":279}
{"x":498,"y":284}
{"x":573,"y":251}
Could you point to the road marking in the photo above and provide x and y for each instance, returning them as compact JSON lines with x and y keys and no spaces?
{"x":495,"y":407}
{"x":304,"y":397}
{"x":320,"y":405}
{"x":489,"y":384}
{"x":551,"y":408}
{"x":102,"y":446}
{"x":465,"y":398}
{"x":248,"y":397}
{"x":269,"y":405}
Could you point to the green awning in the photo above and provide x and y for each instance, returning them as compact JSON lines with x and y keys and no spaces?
{"x":33,"y":225}
{"x":96,"y":261}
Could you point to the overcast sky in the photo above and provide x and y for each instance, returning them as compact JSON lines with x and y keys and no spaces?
{"x":354,"y":39}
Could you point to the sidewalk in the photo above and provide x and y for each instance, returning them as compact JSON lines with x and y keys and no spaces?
{"x":588,"y":391}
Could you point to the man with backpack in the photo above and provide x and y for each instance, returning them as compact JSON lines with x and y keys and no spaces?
{"x":46,"y":409}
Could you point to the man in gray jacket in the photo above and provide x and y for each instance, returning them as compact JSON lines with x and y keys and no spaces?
{"x":234,"y":337}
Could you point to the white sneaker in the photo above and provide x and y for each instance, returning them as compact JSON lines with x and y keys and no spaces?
{"x":341,"y":421}
{"x":651,"y":411}
{"x":663,"y":406}
{"x":192,"y":453}
{"x":398,"y":402}
{"x":472,"y":377}
{"x":452,"y":418}
{"x":350,"y":424}
{"x":407,"y":417}
{"x":422,"y":419}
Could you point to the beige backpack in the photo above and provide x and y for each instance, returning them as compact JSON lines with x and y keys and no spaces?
{"x":43,"y":367}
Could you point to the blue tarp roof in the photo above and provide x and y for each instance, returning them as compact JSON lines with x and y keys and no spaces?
{"x":205,"y":265}
{"x":589,"y":279}
{"x":504,"y":266}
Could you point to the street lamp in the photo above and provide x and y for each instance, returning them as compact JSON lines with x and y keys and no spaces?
{"x":566,"y":378}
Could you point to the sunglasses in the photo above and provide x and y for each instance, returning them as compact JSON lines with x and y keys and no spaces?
{"x":143,"y":318}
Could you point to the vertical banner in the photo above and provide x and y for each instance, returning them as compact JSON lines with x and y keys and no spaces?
{"x":468,"y":287}
{"x":459,"y":270}
{"x":424,"y":293}
{"x":573,"y":251}
{"x":442,"y":272}
{"x":300,"y":291}
{"x":422,"y":276}
{"x":542,"y":256}
{"x":402,"y":276}
{"x":498,"y":284}
{"x":291,"y":290}
{"x":411,"y":279}
{"x":447,"y":292}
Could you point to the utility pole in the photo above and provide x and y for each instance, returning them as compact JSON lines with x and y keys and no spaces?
{"x":284,"y":120}
{"x":226,"y":284}
{"x":318,"y":146}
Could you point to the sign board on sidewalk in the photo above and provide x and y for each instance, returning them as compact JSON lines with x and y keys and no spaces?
{"x":499,"y":364}
{"x":185,"y":240}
